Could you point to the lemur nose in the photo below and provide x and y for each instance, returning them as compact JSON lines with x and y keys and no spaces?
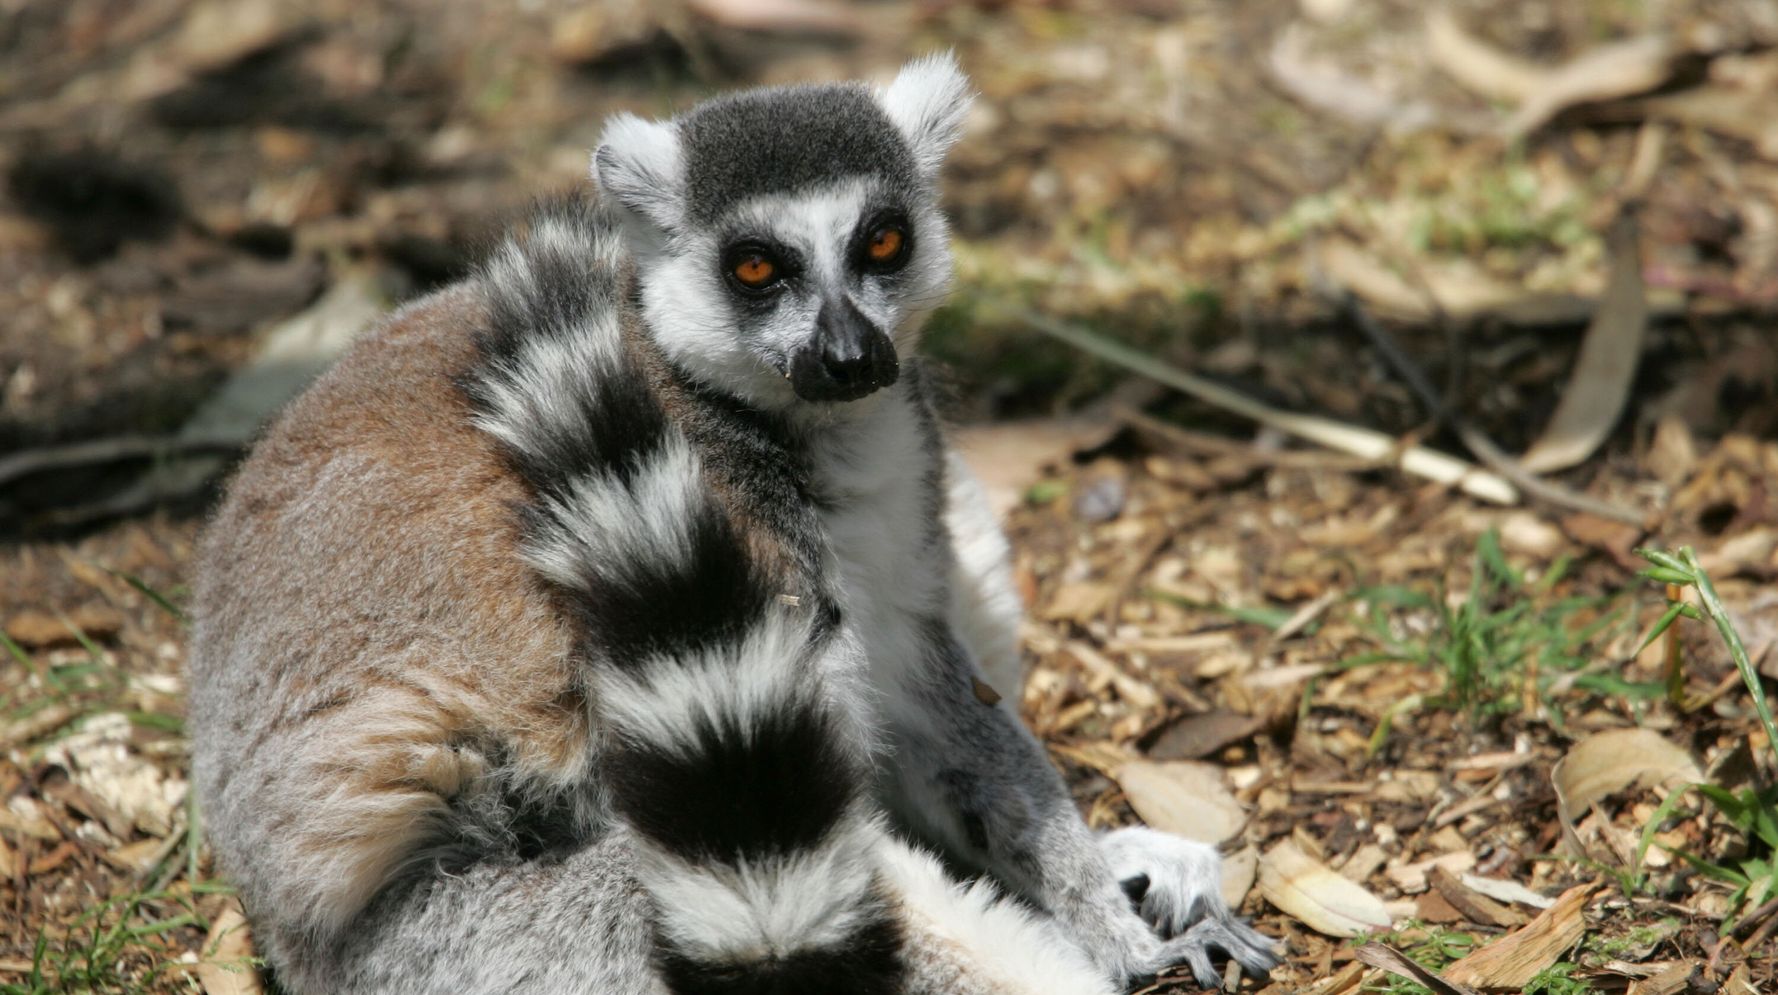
{"x":848,"y":358}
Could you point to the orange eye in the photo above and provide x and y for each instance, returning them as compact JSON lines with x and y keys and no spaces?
{"x":755,"y":271}
{"x":885,"y":244}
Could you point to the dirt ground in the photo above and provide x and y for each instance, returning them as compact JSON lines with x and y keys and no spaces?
{"x":1413,"y":711}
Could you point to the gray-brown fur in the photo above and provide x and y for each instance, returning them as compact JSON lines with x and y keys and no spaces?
{"x":431,"y":738}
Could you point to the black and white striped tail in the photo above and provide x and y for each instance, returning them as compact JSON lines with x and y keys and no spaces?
{"x":725,"y":753}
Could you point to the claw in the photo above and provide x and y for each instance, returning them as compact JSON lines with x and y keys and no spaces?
{"x":1244,"y":944}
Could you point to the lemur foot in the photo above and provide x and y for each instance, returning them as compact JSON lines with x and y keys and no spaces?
{"x":1176,"y":886}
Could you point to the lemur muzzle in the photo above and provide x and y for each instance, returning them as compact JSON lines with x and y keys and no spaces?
{"x":848,"y":358}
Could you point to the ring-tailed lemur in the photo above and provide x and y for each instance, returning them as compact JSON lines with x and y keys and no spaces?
{"x":617,"y":621}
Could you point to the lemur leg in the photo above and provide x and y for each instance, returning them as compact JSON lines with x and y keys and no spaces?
{"x":1026,"y":813}
{"x":566,"y":924}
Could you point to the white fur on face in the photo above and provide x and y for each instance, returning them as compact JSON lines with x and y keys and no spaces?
{"x":697,"y":320}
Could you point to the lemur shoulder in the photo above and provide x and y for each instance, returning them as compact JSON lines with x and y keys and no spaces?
{"x":613,"y":621}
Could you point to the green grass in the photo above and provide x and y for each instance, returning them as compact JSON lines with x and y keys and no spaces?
{"x":120,"y":946}
{"x":116,"y":948}
{"x":1505,"y":642}
{"x":1432,"y":947}
{"x":1436,"y":948}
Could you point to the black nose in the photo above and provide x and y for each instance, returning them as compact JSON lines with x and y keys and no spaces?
{"x":848,"y":358}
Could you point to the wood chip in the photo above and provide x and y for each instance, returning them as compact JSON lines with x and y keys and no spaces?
{"x":1476,"y":907}
{"x":1136,"y":693}
{"x":1513,"y":960}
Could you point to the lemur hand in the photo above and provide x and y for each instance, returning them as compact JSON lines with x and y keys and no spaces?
{"x":1175,"y":885}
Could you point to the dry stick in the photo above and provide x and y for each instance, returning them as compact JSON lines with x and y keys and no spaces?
{"x":1362,"y":442}
{"x":31,"y":462}
{"x":1483,"y":447}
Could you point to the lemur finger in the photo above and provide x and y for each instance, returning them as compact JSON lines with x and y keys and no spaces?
{"x":1245,"y":945}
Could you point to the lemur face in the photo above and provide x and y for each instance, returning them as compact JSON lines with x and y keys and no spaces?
{"x":789,"y":242}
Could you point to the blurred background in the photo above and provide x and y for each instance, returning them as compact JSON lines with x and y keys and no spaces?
{"x":1544,"y":227}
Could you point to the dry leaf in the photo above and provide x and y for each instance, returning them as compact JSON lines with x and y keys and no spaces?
{"x":227,"y":968}
{"x":1196,"y":736}
{"x":1238,"y":872}
{"x":1621,"y":69}
{"x":1316,"y":896}
{"x":1181,"y":797}
{"x":1387,"y":958}
{"x":1513,"y":960}
{"x":1476,"y":64}
{"x":1611,"y":761}
{"x":1595,"y":395}
{"x":1506,"y":891}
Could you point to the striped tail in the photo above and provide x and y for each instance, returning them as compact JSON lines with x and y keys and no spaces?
{"x":726,"y":749}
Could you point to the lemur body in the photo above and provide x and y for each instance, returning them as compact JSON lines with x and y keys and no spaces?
{"x":610,"y":623}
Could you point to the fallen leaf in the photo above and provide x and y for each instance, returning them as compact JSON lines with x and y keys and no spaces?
{"x":1476,"y":64}
{"x":227,"y":967}
{"x":1506,"y":891}
{"x":1008,"y":457}
{"x":1316,"y":896}
{"x":1595,"y":394}
{"x":1181,"y":797}
{"x":1238,"y":872}
{"x":1608,"y":762}
{"x":1513,"y":960}
{"x":1387,"y":958}
{"x":1620,"y":69}
{"x":1197,"y":736}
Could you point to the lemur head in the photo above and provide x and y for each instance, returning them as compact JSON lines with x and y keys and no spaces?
{"x":788,"y":240}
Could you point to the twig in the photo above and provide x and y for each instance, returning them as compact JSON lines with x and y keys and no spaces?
{"x":1361,"y":442}
{"x":31,"y":462}
{"x":1478,"y":442}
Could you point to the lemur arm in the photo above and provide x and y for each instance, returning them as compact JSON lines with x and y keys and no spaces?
{"x":972,"y":780}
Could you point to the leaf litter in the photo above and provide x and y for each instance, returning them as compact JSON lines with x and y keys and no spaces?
{"x":1387,"y":687}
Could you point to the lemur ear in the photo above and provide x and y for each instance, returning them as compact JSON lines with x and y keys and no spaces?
{"x":928,"y":101}
{"x":638,"y":163}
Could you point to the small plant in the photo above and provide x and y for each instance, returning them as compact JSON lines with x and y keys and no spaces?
{"x":116,"y":947}
{"x":1558,"y":979}
{"x":1752,"y":811}
{"x":1504,"y":643}
{"x":1432,"y":947}
{"x":1680,"y":571}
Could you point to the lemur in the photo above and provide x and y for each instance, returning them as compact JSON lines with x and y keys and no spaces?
{"x":618,"y":620}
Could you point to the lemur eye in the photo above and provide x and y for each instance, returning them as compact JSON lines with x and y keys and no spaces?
{"x":755,"y":271}
{"x":753,"y":267}
{"x":887,"y":245}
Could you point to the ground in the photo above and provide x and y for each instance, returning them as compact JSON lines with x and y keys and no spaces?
{"x":1407,"y":713}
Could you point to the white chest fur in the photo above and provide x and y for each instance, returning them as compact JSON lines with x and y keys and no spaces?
{"x":875,"y":473}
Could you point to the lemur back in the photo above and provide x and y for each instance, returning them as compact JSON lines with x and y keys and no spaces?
{"x":613,"y":621}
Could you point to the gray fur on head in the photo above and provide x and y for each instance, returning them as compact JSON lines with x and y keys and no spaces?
{"x":806,"y":173}
{"x":694,"y":168}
